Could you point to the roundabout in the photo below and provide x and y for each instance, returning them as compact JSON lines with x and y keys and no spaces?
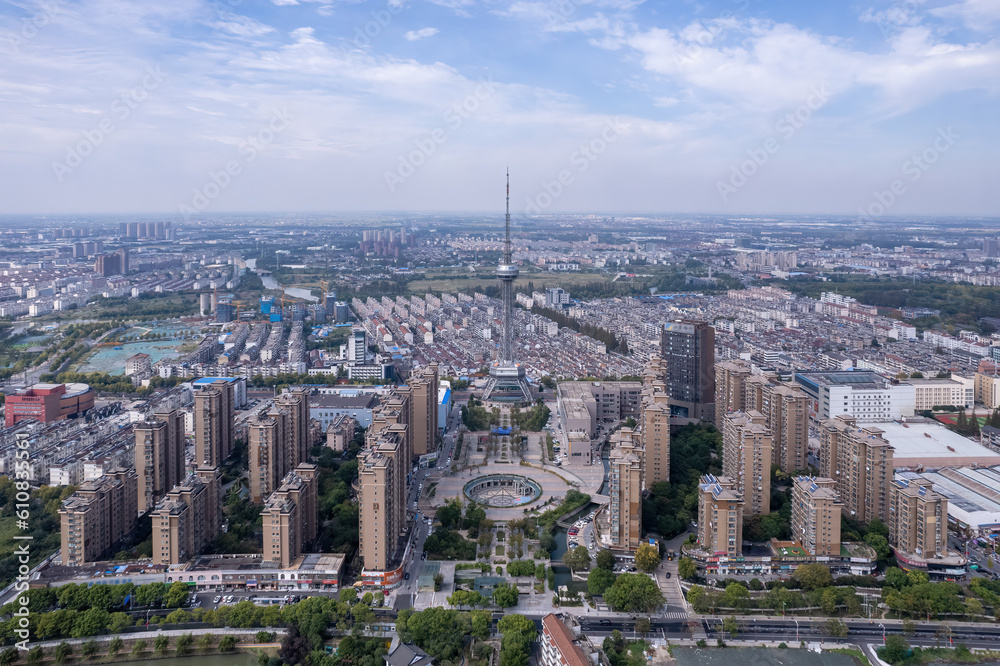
{"x":502,"y":491}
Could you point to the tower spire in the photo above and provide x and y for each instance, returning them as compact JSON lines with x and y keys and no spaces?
{"x":506,"y":241}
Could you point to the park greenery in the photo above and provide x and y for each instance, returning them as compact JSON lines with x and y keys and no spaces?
{"x":574,"y":500}
{"x":517,"y":634}
{"x":43,"y":507}
{"x":621,"y":652}
{"x":531,"y":420}
{"x":672,"y":505}
{"x":634,"y":593}
{"x":476,"y":417}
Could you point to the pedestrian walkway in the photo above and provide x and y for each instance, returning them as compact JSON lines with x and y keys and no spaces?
{"x":675,"y":616}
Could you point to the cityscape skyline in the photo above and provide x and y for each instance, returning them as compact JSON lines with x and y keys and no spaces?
{"x":597,"y":106}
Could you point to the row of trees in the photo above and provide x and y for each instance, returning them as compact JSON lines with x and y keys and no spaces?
{"x":609,"y":339}
{"x":92,"y":649}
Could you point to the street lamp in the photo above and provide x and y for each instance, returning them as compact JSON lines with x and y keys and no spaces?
{"x":797,"y":629}
{"x":882,"y":626}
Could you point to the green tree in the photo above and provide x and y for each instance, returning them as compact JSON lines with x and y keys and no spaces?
{"x":118,"y":622}
{"x":183,"y":643}
{"x":505,"y":595}
{"x":517,"y":632}
{"x":642,"y":625}
{"x":879,"y":544}
{"x":813,"y":576}
{"x":35,"y":655}
{"x":481,"y":620}
{"x":227,"y":643}
{"x":176,"y":595}
{"x":577,"y":558}
{"x":63,"y":652}
{"x":161,"y":643}
{"x":895,"y":650}
{"x":647,"y":557}
{"x":909,"y":628}
{"x":836,"y":627}
{"x":686,"y":568}
{"x":138,"y":648}
{"x":115,"y":646}
{"x":605,"y":559}
{"x":206,"y":642}
{"x":730,"y":626}
{"x":90,"y":648}
{"x":599,"y":580}
{"x":634,"y":593}
{"x":895,"y":577}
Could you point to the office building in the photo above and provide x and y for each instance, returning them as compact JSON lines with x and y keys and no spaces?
{"x":585,"y":405}
{"x":268,"y":452}
{"x":625,"y":513}
{"x":729,"y":379}
{"x":423,"y":401}
{"x":918,"y":519}
{"x":159,"y":456}
{"x":816,"y":513}
{"x":557,"y":646}
{"x":720,"y":516}
{"x":688,"y":349}
{"x":296,"y":403}
{"x":956,"y":391}
{"x":98,"y":517}
{"x":290,"y":517}
{"x":746,"y":458}
{"x":187,"y":519}
{"x":556,"y":298}
{"x":861,"y":394}
{"x":213,"y":423}
{"x":860,"y":460}
{"x":357,"y":347}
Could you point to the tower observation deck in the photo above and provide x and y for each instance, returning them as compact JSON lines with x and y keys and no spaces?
{"x":507,"y":382}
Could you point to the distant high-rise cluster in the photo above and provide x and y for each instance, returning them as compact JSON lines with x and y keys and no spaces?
{"x":146,"y":230}
{"x":115,"y":263}
{"x":385,"y":242}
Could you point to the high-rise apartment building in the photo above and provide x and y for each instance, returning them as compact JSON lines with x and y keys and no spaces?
{"x":918,"y":519}
{"x":97,"y":517}
{"x":730,"y":376}
{"x":395,"y":410}
{"x":213,"y":423}
{"x":816,"y":512}
{"x":290,"y":516}
{"x":187,"y":519}
{"x":860,"y":461}
{"x":746,"y":458}
{"x":159,"y":456}
{"x":786,"y":412}
{"x":626,"y":498}
{"x":655,"y":438}
{"x":720,"y":516}
{"x":688,"y":348}
{"x":382,"y":475}
{"x":424,"y":404}
{"x":268,"y":452}
{"x":296,"y":402}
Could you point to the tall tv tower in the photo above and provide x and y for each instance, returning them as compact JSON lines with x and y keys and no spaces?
{"x":507,"y":382}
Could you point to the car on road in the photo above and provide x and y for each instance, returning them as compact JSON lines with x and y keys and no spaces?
{"x":216,"y":600}
{"x":605,"y":622}
{"x":668,"y":574}
{"x":406,"y":576}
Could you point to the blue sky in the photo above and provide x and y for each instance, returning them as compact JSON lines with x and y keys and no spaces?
{"x":604,"y":106}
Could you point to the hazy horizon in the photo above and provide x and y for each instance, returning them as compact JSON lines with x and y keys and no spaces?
{"x":874,"y":110}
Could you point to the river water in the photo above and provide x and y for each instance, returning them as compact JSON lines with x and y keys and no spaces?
{"x":270,"y":283}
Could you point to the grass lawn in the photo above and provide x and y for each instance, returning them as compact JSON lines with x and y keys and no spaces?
{"x":500,"y":551}
{"x":793,"y":551}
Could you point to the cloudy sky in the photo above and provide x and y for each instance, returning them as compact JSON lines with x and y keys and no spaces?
{"x":730,"y":107}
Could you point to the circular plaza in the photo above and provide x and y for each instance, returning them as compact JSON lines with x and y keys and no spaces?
{"x":502,"y":491}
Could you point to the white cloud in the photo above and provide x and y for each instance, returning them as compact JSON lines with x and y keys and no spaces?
{"x":414,"y":35}
{"x":977,"y":14}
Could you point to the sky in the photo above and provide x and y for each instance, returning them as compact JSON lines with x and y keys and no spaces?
{"x":872,"y":109}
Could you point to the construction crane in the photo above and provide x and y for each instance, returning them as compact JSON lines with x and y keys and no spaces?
{"x":326,"y":288}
